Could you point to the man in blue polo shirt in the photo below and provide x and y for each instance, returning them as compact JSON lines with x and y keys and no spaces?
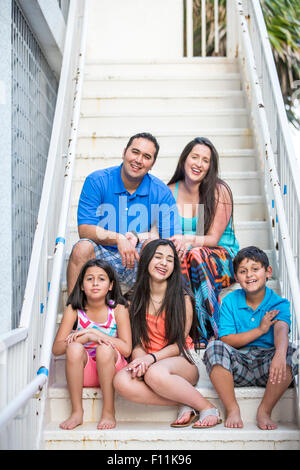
{"x":254,"y":348}
{"x":122,"y":207}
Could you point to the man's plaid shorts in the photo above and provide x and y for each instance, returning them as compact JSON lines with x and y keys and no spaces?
{"x":126,"y":276}
{"x":249,"y":367}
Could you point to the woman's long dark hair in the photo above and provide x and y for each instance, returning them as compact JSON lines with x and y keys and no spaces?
{"x":210,"y":184}
{"x":173,"y":304}
{"x":78,"y":299}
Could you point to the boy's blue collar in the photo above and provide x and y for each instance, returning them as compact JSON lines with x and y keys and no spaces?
{"x":242,"y":299}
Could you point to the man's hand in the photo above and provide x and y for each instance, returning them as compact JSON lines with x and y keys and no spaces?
{"x":127,"y":251}
{"x":132,"y":238}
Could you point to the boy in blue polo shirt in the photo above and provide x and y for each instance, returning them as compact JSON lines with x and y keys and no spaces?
{"x":254,"y":348}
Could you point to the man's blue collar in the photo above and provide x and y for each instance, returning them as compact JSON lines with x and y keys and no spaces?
{"x":119,"y":188}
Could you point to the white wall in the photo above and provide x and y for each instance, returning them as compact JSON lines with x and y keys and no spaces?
{"x":130,"y":29}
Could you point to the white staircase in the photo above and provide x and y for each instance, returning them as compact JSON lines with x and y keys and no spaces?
{"x":175,"y":101}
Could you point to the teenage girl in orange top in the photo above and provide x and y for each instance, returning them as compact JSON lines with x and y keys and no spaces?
{"x":163,"y":369}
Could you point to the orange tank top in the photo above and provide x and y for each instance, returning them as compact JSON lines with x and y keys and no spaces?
{"x":157,"y":336}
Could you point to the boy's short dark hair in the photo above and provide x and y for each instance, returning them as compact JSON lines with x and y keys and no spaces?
{"x":147,"y":136}
{"x":250,"y":252}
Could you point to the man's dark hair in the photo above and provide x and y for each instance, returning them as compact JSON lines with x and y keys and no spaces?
{"x":253,"y":253}
{"x":147,"y":136}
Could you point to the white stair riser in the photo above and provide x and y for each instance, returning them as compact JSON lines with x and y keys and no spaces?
{"x":125,"y":411}
{"x":159,"y":87}
{"x":113,"y":104}
{"x":94,"y":145}
{"x":240,"y":186}
{"x":85,"y":166}
{"x":94,"y":71}
{"x":106,"y":124}
{"x":242,"y":212}
{"x":101,"y":444}
{"x":246,"y":236}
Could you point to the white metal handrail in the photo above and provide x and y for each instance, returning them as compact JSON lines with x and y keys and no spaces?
{"x":57,"y":188}
{"x":279,"y":217}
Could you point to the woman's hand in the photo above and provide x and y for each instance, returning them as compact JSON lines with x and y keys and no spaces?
{"x":181,"y":245}
{"x":138,"y":367}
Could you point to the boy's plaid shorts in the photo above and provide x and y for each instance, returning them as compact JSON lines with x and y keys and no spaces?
{"x":249,"y":367}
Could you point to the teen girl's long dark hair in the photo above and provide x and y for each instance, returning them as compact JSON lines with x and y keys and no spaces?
{"x":173,"y":304}
{"x":78,"y":299}
{"x":210,"y":184}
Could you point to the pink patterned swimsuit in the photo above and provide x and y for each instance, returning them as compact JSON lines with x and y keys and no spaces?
{"x":109,"y":328}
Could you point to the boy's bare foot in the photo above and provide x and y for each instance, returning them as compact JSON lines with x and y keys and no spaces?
{"x":234,"y":419}
{"x":107,"y":421}
{"x":264,"y":420}
{"x":74,"y":420}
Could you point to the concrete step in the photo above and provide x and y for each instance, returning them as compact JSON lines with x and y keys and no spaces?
{"x":159,"y":85}
{"x":159,"y":436}
{"x":233,"y":159}
{"x":192,"y":67}
{"x":235,"y":118}
{"x":170,"y":141}
{"x":170,"y":102}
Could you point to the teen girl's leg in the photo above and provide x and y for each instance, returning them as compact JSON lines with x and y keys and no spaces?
{"x":76,"y":359}
{"x":174,"y":379}
{"x":137,"y":390}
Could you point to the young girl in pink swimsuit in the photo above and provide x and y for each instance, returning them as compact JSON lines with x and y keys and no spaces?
{"x":101,"y":340}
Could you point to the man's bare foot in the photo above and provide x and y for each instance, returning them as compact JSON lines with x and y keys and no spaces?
{"x":234,"y":419}
{"x":107,"y":421}
{"x":74,"y":420}
{"x":264,"y":420}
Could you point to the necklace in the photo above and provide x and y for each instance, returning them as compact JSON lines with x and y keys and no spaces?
{"x":156,"y":301}
{"x":156,"y":310}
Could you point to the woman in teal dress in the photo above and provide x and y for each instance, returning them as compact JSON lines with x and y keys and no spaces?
{"x":205,"y":205}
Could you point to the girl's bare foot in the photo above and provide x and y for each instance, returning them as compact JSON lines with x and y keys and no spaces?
{"x":74,"y":420}
{"x":234,"y":419}
{"x":107,"y":421}
{"x":264,"y":420}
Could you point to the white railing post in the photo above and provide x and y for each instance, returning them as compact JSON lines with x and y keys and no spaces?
{"x":203,"y":28}
{"x":231,"y":30}
{"x":216,"y":16}
{"x":189,"y":29}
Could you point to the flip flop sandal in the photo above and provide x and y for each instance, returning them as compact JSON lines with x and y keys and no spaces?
{"x":185,"y":409}
{"x":204,"y":414}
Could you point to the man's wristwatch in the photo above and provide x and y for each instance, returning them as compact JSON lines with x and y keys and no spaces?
{"x":136,"y":236}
